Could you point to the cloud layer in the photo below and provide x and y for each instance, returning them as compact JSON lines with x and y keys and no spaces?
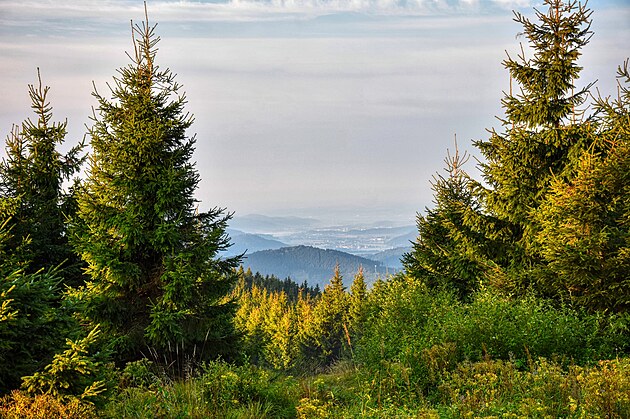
{"x":240,"y":10}
{"x":298,"y":103}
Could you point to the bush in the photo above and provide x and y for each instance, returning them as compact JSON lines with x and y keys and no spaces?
{"x":502,"y":328}
{"x":19,"y":405}
{"x":428,"y":333}
{"x":78,"y":372}
{"x":545,"y":390}
{"x":228,"y":387}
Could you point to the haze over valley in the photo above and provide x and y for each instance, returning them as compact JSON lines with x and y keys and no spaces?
{"x":307,"y":249}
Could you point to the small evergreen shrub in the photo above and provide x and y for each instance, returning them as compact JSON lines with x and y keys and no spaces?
{"x":78,"y":372}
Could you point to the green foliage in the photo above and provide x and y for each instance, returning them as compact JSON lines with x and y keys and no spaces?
{"x":498,"y":388}
{"x":78,"y":372}
{"x":267,"y":322}
{"x":33,"y":173}
{"x":303,"y":335}
{"x":542,"y":135}
{"x":228,"y":387}
{"x":429,"y":333}
{"x":486,"y":388}
{"x":585,"y":234}
{"x":32,"y":324}
{"x":155,"y":276}
{"x":550,"y":215}
{"x":357,"y":307}
{"x":271,"y":283}
{"x":327,"y":333}
{"x":220,"y":390}
{"x":141,"y":373}
{"x":444,"y":255}
{"x":35,"y":257}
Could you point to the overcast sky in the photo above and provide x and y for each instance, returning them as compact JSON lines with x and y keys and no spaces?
{"x":326,"y":108}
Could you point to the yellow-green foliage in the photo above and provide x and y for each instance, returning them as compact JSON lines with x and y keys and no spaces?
{"x":545,"y":390}
{"x":19,"y":405}
{"x":482,"y":389}
{"x":313,"y":408}
{"x":75,"y":373}
{"x":269,"y":327}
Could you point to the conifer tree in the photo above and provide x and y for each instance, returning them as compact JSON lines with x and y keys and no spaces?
{"x":32,"y":325}
{"x":34,"y":172}
{"x":249,"y":319}
{"x":328,"y":331}
{"x":357,"y":308}
{"x":585,"y":235}
{"x":444,"y":254}
{"x":155,"y":275}
{"x":543,"y":133}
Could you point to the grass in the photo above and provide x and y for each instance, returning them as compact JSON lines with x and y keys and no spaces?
{"x":489,"y":388}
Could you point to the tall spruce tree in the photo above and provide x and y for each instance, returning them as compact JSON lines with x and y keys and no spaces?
{"x":357,"y":309}
{"x":34,"y":172}
{"x":543,"y":133}
{"x":155,"y":275}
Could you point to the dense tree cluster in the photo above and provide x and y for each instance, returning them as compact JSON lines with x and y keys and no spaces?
{"x":550,"y":215}
{"x":308,"y":333}
{"x":272,"y":283}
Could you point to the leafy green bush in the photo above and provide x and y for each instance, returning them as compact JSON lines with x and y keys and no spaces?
{"x":428,"y":332}
{"x":228,"y":387}
{"x":502,"y":328}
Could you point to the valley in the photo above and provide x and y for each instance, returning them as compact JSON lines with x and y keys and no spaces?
{"x":307,"y":249}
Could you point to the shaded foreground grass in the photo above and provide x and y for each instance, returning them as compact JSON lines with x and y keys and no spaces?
{"x":489,"y":388}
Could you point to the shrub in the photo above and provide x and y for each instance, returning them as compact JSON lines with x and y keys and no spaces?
{"x":545,"y":390}
{"x":427,"y":333}
{"x":78,"y":372}
{"x":227,"y":388}
{"x":19,"y":405}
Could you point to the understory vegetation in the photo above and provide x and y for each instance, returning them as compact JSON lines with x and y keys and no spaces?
{"x":514,"y":301}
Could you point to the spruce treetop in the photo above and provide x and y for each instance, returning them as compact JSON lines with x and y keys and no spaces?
{"x":33,"y":173}
{"x":547,"y":81}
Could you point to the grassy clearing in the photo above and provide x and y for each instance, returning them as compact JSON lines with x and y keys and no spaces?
{"x":490,"y":388}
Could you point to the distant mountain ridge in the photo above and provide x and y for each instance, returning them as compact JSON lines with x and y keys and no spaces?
{"x":404,"y":240}
{"x":391,"y":257}
{"x":247,"y":242}
{"x":311,"y":264}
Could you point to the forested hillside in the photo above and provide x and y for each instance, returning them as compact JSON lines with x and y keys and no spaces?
{"x":306,"y":263}
{"x":116,"y":299}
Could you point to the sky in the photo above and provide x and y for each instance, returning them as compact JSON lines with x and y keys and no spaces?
{"x":334,"y":109}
